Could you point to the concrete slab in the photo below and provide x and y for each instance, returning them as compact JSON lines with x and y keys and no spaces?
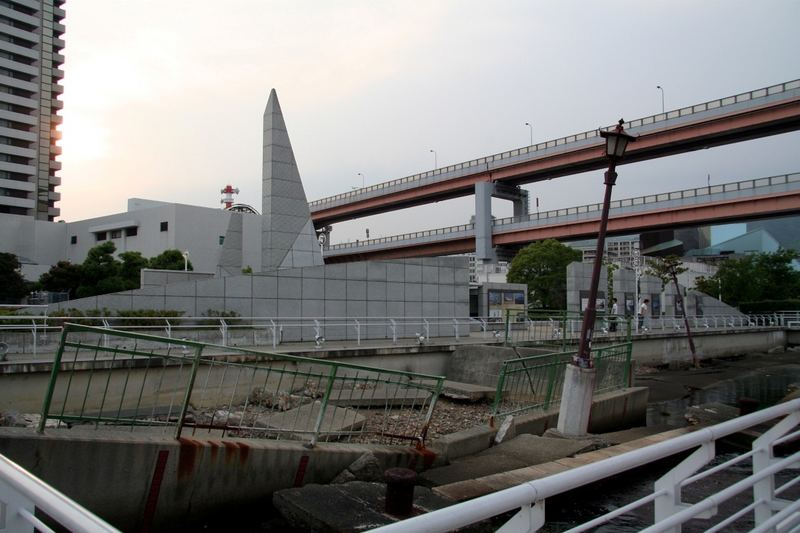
{"x":469,"y":392}
{"x":519,"y":452}
{"x":304,"y":418}
{"x":354,"y":506}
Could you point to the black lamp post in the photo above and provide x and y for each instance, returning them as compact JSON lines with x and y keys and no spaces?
{"x":616,"y":143}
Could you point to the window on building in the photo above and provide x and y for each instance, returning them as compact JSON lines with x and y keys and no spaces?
{"x":164,"y":226}
{"x":131,"y":232}
{"x":100,"y":236}
{"x":73,"y":239}
{"x":221,"y":239}
{"x":116,"y":234}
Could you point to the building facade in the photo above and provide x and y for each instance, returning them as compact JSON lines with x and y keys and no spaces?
{"x":30,"y":76}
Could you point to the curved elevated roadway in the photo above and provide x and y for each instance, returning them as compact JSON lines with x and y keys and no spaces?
{"x":753,"y":114}
{"x":742,"y":200}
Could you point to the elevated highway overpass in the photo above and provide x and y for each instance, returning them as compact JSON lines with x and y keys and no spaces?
{"x":753,"y":114}
{"x":742,"y":200}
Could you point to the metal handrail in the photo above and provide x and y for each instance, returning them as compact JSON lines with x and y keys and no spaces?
{"x":439,"y":173}
{"x":528,"y":496}
{"x":40,"y":495}
{"x":751,"y":184}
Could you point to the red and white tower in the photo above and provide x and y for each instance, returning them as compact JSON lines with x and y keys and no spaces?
{"x":227,"y":197}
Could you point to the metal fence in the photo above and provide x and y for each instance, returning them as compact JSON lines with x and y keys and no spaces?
{"x":104,"y":378}
{"x":32,"y":334}
{"x":561,"y":328}
{"x":536,"y":382}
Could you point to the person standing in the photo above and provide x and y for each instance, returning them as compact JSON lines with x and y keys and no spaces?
{"x":612,"y":326}
{"x":643,"y":310}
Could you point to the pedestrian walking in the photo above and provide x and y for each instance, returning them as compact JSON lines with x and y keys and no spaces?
{"x":612,"y":326}
{"x":643,"y":310}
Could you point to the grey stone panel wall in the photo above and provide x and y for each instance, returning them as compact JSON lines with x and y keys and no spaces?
{"x":427,"y":288}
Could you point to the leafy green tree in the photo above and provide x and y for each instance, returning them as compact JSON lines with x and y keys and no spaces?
{"x":100,"y":272}
{"x":12,"y":285}
{"x":169,"y":260}
{"x":62,"y":277}
{"x":667,"y":270}
{"x":543,"y":267}
{"x":130,"y":270}
{"x":757,"y":277}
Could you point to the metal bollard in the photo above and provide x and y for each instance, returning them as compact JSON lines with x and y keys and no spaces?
{"x":400,"y":491}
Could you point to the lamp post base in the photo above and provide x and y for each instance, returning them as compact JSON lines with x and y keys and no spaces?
{"x":576,"y":400}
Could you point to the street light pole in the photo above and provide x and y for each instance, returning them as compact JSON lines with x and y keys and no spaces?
{"x":660,"y":88}
{"x":363,"y":180}
{"x":530,"y":126}
{"x":616,"y":142}
{"x":435,"y":161}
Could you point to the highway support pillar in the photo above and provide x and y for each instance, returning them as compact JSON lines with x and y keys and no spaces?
{"x":483,"y":222}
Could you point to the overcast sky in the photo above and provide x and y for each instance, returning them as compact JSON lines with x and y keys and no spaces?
{"x":164,"y":99}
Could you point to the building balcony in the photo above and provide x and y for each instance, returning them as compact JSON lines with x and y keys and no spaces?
{"x":55,"y":165}
{"x":22,"y":17}
{"x":17,"y":150}
{"x":18,"y":134}
{"x":55,"y":180}
{"x":24,"y":203}
{"x":19,"y":84}
{"x":18,"y":117}
{"x":16,"y":49}
{"x":27,"y":186}
{"x":28,"y":170}
{"x":18,"y":100}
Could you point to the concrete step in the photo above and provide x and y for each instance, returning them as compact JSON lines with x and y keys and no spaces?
{"x":519,"y":452}
{"x":472,"y":488}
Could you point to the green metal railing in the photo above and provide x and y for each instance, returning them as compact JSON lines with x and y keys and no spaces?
{"x":536,"y":382}
{"x":101,"y":378}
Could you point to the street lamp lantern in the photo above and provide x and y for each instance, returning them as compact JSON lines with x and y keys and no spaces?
{"x":616,"y":141}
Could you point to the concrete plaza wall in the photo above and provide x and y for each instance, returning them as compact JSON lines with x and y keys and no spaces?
{"x":428,"y":287}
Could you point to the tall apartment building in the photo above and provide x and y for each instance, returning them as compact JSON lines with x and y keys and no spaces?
{"x":30,"y":61}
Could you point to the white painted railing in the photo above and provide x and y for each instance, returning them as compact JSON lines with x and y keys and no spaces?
{"x":35,"y":334}
{"x":771,"y":512}
{"x":21,"y":494}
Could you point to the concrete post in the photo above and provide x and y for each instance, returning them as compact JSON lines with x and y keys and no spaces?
{"x":483,"y":221}
{"x":576,"y":400}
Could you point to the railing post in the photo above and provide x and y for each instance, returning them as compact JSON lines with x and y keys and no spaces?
{"x":670,"y":502}
{"x":508,"y":325}
{"x":455,"y":327}
{"x":498,"y":394}
{"x":427,"y":327}
{"x":323,"y":405}
{"x":168,"y":329}
{"x":223,"y":328}
{"x":358,"y":333}
{"x":51,"y":386}
{"x":33,"y":331}
{"x":393,"y":328}
{"x":763,"y":456}
{"x":198,"y":351}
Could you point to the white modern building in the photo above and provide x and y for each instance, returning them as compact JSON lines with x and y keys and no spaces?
{"x":30,"y":75}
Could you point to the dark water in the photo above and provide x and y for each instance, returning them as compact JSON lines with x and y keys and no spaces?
{"x":765,"y":387}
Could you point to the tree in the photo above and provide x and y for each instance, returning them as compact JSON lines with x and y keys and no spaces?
{"x":100,"y":272}
{"x":130,"y":270}
{"x":62,"y":277}
{"x":753,"y":278}
{"x":668,"y":270}
{"x":543,"y":267}
{"x":169,"y":260}
{"x":12,"y":285}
